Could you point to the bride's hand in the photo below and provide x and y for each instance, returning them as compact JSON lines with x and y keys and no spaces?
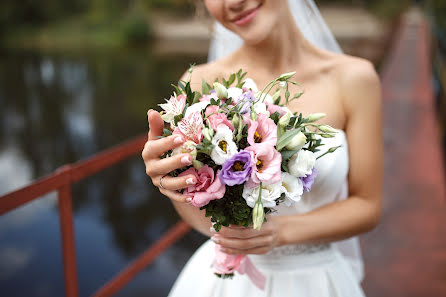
{"x":241,"y":240}
{"x":158,"y":168}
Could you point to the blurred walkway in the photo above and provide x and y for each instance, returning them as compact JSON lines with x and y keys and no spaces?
{"x":406,"y":254}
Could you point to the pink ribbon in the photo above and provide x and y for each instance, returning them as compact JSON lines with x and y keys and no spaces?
{"x":227,"y":264}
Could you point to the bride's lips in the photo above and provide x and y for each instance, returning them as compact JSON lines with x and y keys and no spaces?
{"x":245,"y":17}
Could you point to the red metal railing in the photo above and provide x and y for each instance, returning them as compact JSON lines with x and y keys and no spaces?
{"x":61,"y":181}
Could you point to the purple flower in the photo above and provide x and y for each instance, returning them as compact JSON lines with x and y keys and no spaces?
{"x":309,"y":180}
{"x":237,"y":169}
{"x":244,"y":101}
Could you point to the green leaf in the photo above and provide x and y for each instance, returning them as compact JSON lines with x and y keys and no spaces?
{"x":287,"y":154}
{"x":167,"y":132}
{"x":286,"y":138}
{"x":205,"y":87}
{"x":231,"y":79}
{"x":197,"y":97}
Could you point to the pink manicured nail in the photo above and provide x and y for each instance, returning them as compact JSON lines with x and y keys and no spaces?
{"x":215,"y":239}
{"x":190,"y":181}
{"x":178,"y":140}
{"x":188,"y":199}
{"x":186,"y":160}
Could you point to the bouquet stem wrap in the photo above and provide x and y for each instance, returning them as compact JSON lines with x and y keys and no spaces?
{"x":225,"y":264}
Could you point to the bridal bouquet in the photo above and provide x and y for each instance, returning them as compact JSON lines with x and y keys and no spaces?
{"x":250,"y":153}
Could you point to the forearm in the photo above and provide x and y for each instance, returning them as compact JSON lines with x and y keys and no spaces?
{"x":332,"y":222}
{"x":194,"y":216}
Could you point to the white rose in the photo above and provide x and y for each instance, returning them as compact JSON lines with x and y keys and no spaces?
{"x":197,"y":107}
{"x":269,"y":194}
{"x":297,"y":142}
{"x":301,"y":163}
{"x":234,"y":93}
{"x":250,"y":84}
{"x":224,"y":146}
{"x":292,"y":187}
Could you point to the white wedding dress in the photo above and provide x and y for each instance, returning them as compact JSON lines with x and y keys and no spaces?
{"x":308,"y":270}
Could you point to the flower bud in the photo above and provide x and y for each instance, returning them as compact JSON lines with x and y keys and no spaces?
{"x":285,"y":119}
{"x":207,"y":133}
{"x":297,"y":142}
{"x":315,"y":117}
{"x":235,"y":121}
{"x":327,"y":129}
{"x":258,"y":215}
{"x":327,"y":135}
{"x":197,"y":164}
{"x":253,"y":115}
{"x":286,"y":76}
{"x":221,"y":91}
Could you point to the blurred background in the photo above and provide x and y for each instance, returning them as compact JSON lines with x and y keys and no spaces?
{"x":77,"y":77}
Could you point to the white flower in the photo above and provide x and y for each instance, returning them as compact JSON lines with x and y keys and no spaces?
{"x":250,"y":84}
{"x":197,"y":107}
{"x":269,"y":194}
{"x":224,"y":146}
{"x":189,"y":147}
{"x":173,"y":107}
{"x":297,"y":142}
{"x":292,"y":187}
{"x":234,"y":93}
{"x":285,"y":119}
{"x":301,"y":163}
{"x":260,"y":107}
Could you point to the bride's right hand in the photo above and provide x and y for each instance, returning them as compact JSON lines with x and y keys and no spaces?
{"x":157,"y":168}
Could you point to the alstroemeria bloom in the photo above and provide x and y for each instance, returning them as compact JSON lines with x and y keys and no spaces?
{"x":173,"y":107}
{"x":217,"y":118}
{"x":270,"y":193}
{"x":207,"y":188}
{"x":224,"y":146}
{"x":267,"y":163}
{"x":191,"y":127}
{"x":197,"y":107}
{"x":292,"y":187}
{"x":262,"y":131}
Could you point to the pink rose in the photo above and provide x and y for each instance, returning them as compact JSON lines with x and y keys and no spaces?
{"x":263,"y":131}
{"x":267,"y":163}
{"x":216,"y":118}
{"x":225,"y":263}
{"x":272,"y":108}
{"x":207,"y":188}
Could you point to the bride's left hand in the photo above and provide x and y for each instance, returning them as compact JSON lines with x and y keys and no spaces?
{"x":241,"y":240}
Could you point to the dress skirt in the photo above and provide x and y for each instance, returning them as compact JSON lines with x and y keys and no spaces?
{"x":317,"y":271}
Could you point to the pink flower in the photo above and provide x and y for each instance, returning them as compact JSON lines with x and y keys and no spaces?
{"x":208,"y":98}
{"x":263,"y":131}
{"x":190,"y":127}
{"x":272,"y":108}
{"x":216,"y":118}
{"x":267,"y":163}
{"x":207,"y":188}
{"x":225,"y":263}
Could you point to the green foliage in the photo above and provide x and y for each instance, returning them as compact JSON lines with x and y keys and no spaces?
{"x":231,"y":209}
{"x":135,"y":29}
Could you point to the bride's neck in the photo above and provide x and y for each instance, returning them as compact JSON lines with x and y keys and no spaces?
{"x":280,"y":51}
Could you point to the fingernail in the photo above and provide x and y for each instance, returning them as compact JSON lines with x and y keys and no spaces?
{"x":178,"y":140}
{"x":188,"y":199}
{"x":190,"y":181}
{"x":215,"y":239}
{"x":186,"y":160}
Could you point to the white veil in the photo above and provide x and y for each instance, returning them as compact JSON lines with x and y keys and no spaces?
{"x":310,"y":22}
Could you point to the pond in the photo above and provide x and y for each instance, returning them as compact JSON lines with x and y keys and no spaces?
{"x":58,"y":108}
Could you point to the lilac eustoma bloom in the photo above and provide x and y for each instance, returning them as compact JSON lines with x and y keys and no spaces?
{"x":232,"y":172}
{"x":245,"y":100}
{"x":308,"y":180}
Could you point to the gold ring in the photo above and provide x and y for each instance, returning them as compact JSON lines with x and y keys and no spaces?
{"x":160,"y":182}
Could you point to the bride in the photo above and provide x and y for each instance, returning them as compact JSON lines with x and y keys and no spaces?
{"x":309,"y":249}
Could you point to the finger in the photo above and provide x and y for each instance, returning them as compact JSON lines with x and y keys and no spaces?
{"x":243,"y":244}
{"x":174,"y":195}
{"x":238,"y":232}
{"x":164,"y":166}
{"x":156,"y":124}
{"x":177,"y":183}
{"x":155,"y":148}
{"x":254,"y":251}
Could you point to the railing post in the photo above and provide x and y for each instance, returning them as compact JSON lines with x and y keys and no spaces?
{"x":68,"y":242}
